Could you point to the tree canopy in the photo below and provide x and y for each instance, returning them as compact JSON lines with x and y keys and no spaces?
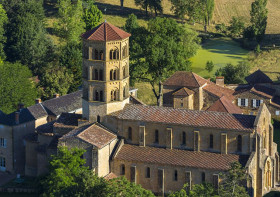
{"x":92,"y":16}
{"x":3,"y":22}
{"x":16,"y":86}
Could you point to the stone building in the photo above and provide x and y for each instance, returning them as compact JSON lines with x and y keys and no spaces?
{"x":161,"y":148}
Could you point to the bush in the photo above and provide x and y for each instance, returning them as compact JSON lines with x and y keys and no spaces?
{"x":221,"y":28}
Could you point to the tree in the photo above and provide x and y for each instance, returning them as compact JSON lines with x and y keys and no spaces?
{"x":131,"y":23}
{"x":152,"y":4}
{"x":70,"y":23}
{"x":92,"y":16}
{"x":56,"y":79}
{"x":233,"y":182}
{"x":207,"y":10}
{"x":234,"y":74}
{"x":209,"y":66}
{"x":169,"y":49}
{"x":198,"y":190}
{"x":180,"y":8}
{"x":3,"y":22}
{"x":258,"y":18}
{"x":27,"y":39}
{"x":236,"y":27}
{"x":16,"y":86}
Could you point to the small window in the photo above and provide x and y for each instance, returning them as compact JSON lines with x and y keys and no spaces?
{"x":115,"y":95}
{"x":112,"y":95}
{"x":184,"y":138}
{"x":124,"y":72}
{"x":115,"y":75}
{"x":239,"y":143}
{"x":148,"y":172}
{"x":243,"y":102}
{"x":95,"y":74}
{"x":101,"y":95}
{"x":111,"y":74}
{"x":203,"y":177}
{"x":211,"y":141}
{"x":96,"y":54}
{"x":124,"y":92}
{"x":277,"y":113}
{"x":122,"y":169}
{"x":101,"y":75}
{"x":2,"y":162}
{"x":258,"y":103}
{"x":156,"y":137}
{"x":101,"y":55}
{"x":98,"y":118}
{"x":182,"y":103}
{"x":96,"y":95}
{"x":129,"y":133}
{"x":3,"y":142}
{"x":175,"y":175}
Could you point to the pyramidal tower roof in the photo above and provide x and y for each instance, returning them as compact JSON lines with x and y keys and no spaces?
{"x":105,"y":32}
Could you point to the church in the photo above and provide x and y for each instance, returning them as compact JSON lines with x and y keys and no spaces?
{"x":160,"y":148}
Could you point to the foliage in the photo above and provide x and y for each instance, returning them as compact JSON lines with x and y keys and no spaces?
{"x":208,"y":9}
{"x":70,"y":24}
{"x":233,"y":182}
{"x":55,"y":79}
{"x":236,"y":27}
{"x":222,"y":28}
{"x":151,"y":4}
{"x":92,"y":16}
{"x":3,"y":22}
{"x":131,"y":23}
{"x":234,"y":74}
{"x":71,"y":57}
{"x":180,"y":8}
{"x":16,"y":86}
{"x":204,"y":189}
{"x":209,"y":66}
{"x":258,"y":49}
{"x":27,"y":40}
{"x":258,"y":18}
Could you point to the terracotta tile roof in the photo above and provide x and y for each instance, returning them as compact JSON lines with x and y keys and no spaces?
{"x":193,"y":118}
{"x":185,"y":79}
{"x":263,"y":91}
{"x":110,"y":176}
{"x":95,"y":134}
{"x":225,"y":105}
{"x":219,"y":91}
{"x":183,"y":92}
{"x":105,"y":32}
{"x":258,"y":77}
{"x":175,"y":157}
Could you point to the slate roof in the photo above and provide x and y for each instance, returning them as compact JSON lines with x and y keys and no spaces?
{"x":258,"y":77}
{"x":263,"y":91}
{"x":24,"y":117}
{"x":37,"y":110}
{"x":68,"y":119}
{"x":225,"y":105}
{"x":192,"y":118}
{"x":95,"y":134}
{"x":276,"y":101}
{"x":46,"y":128}
{"x":185,"y":79}
{"x":183,"y":92}
{"x":182,"y":158}
{"x":105,"y":32}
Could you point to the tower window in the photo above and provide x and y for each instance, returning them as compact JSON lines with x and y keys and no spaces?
{"x":239,"y":143}
{"x":111,"y":74}
{"x":101,"y":75}
{"x":95,"y":74}
{"x":184,"y":138}
{"x":148,"y":172}
{"x":175,"y":175}
{"x":124,"y":92}
{"x":156,"y":137}
{"x":96,"y":95}
{"x":101,"y":95}
{"x":114,"y":54}
{"x":129,"y":133}
{"x":115,"y":95}
{"x":124,"y":72}
{"x":122,"y":169}
{"x":115,"y":75}
{"x":96,"y":54}
{"x":211,"y":141}
{"x":101,"y":55}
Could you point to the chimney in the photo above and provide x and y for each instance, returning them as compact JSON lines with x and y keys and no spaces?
{"x":38,"y":100}
{"x":17,"y":117}
{"x":20,"y":106}
{"x":220,"y":81}
{"x":56,"y":95}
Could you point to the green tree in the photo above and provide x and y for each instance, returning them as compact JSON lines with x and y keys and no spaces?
{"x":56,"y":79}
{"x":204,"y":189}
{"x":16,"y":86}
{"x":258,"y":18}
{"x":92,"y":16}
{"x":169,"y":49}
{"x":3,"y":22}
{"x":151,"y":4}
{"x":236,"y":27}
{"x":209,"y":66}
{"x":27,"y":39}
{"x":207,"y":10}
{"x":70,"y":23}
{"x":234,"y":74}
{"x":233,"y":182}
{"x":131,"y":23}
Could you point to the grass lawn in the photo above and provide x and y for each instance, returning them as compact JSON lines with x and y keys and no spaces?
{"x":145,"y":93}
{"x":219,"y":50}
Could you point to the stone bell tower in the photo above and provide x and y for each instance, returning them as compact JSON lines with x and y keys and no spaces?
{"x":105,"y":71}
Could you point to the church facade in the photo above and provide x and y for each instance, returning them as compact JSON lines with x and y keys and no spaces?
{"x":161,"y":148}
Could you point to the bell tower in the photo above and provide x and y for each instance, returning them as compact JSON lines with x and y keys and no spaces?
{"x":105,"y":71}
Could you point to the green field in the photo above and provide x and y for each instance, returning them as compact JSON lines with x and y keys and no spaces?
{"x":219,"y":50}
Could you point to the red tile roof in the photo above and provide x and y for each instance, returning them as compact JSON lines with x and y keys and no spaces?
{"x":175,"y":157}
{"x":192,"y":118}
{"x":183,"y":92}
{"x":110,"y":176}
{"x":219,"y":91}
{"x":225,"y":105}
{"x":258,"y":77}
{"x":185,"y":79}
{"x":105,"y":32}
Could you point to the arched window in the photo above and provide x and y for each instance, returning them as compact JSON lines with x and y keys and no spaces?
{"x":268,"y":175}
{"x":114,"y":54}
{"x":156,"y":137}
{"x":111,"y":54}
{"x":96,"y":95}
{"x":112,"y":95}
{"x":203,"y":177}
{"x":239,"y":143}
{"x":115,"y":95}
{"x":101,"y":55}
{"x":184,"y":138}
{"x":124,"y":93}
{"x":101,"y":95}
{"x":115,"y":75}
{"x":148,"y":172}
{"x":95,"y":74}
{"x":124,"y":51}
{"x":211,"y":141}
{"x":122,"y":169}
{"x":124,"y":72}
{"x":101,"y":75}
{"x":175,"y":175}
{"x":96,"y":54}
{"x":111,"y":74}
{"x":129,"y":137}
